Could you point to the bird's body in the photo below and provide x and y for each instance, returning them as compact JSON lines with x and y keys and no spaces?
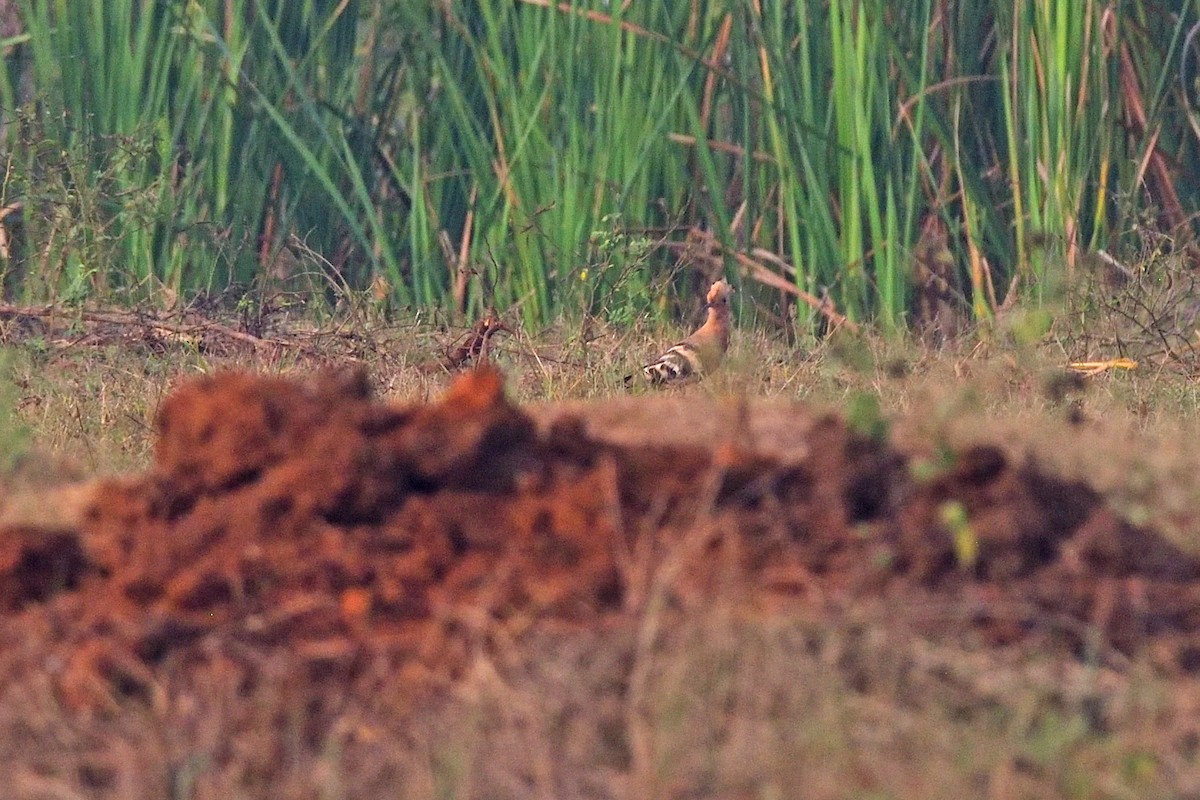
{"x":702,"y":352}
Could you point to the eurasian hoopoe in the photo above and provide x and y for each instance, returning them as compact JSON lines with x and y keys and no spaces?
{"x":700,"y":353}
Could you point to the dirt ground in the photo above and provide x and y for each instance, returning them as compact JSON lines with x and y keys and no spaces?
{"x":303,"y":539}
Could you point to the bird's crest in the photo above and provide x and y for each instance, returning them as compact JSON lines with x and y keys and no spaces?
{"x":718,"y":292}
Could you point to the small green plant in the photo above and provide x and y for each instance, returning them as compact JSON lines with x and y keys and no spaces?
{"x":865,"y":417}
{"x":954,"y":518}
{"x":614,"y":282}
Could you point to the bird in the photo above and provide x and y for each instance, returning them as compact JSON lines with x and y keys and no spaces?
{"x":701,"y":353}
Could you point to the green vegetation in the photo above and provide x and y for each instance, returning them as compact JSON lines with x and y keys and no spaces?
{"x":461,"y":156}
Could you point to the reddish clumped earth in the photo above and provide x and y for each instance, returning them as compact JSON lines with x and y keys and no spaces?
{"x":350,"y":532}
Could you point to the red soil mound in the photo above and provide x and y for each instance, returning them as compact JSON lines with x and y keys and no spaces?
{"x":308,"y":518}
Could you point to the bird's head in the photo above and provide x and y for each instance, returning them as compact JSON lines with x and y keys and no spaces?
{"x":718,"y":296}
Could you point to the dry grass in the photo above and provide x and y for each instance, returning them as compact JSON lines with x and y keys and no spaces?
{"x":722,"y":706}
{"x":731,"y":708}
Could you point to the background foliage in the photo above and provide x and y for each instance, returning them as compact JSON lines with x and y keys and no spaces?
{"x":916,"y":164}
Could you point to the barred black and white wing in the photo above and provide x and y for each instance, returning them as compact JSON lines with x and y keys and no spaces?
{"x":678,"y":364}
